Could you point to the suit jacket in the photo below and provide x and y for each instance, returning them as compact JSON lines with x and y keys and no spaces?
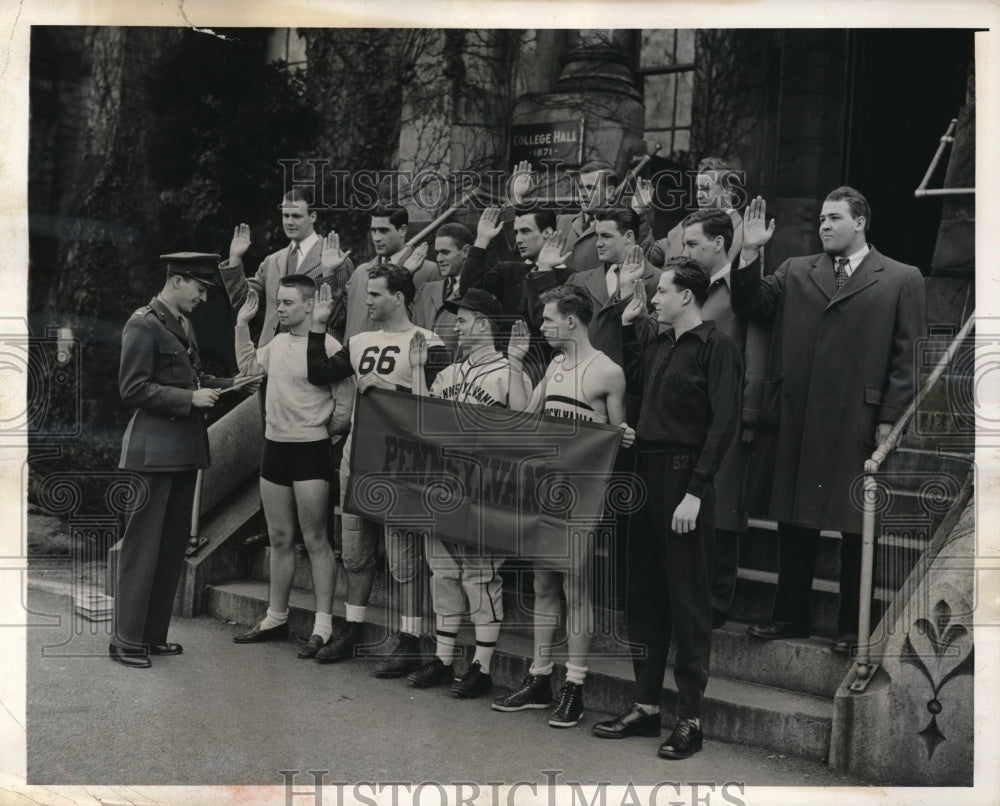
{"x":840,"y":362}
{"x":429,"y":313}
{"x":673,"y":244}
{"x":159,"y":372}
{"x":750,"y":337}
{"x":265,"y":283}
{"x":357,"y":320}
{"x":581,"y":240}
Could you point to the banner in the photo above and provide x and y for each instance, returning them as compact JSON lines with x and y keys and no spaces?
{"x":503,"y":482}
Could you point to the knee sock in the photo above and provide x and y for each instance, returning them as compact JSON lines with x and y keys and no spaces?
{"x":446,"y":646}
{"x":486,"y":642}
{"x":410,"y":624}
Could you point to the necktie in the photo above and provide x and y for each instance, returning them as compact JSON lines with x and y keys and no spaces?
{"x":293,"y":259}
{"x":840,"y":271}
{"x":449,"y":284}
{"x":611,"y":279}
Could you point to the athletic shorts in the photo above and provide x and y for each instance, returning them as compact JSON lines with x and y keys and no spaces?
{"x":285,"y":462}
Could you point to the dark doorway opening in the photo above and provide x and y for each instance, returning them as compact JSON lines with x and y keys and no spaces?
{"x":907,"y":85}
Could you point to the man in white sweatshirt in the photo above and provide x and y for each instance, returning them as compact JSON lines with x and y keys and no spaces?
{"x":295,"y":465}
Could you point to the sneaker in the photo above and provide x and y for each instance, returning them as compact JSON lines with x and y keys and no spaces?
{"x":341,"y":643}
{"x":474,"y":683}
{"x":570,"y":707}
{"x":403,"y":659}
{"x":432,"y":674}
{"x":535,"y":691}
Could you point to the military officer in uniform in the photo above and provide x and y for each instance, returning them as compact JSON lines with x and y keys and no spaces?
{"x":166,"y":443}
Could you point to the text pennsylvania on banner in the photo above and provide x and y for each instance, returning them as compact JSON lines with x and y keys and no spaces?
{"x":503,"y":482}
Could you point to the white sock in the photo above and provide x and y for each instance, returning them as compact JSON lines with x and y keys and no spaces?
{"x":273,"y":619}
{"x":323,"y":626}
{"x":355,"y":612}
{"x":486,"y":642}
{"x":446,"y":646}
{"x":411,"y":624}
{"x":540,"y":671}
{"x":649,"y":710}
{"x":575,"y":674}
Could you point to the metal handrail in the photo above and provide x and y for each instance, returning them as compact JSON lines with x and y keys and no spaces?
{"x":946,"y":139}
{"x":864,"y":668}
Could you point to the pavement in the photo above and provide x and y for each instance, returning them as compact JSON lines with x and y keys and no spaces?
{"x":223,"y":714}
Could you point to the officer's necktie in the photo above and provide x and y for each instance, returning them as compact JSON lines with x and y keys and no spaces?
{"x":840,"y":271}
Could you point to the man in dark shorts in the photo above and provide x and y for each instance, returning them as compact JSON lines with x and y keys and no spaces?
{"x":295,"y":466}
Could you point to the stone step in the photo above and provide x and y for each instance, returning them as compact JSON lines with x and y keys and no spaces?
{"x":755,"y":593}
{"x":734,"y":710}
{"x":895,"y":553}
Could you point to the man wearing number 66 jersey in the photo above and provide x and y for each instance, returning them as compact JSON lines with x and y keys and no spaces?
{"x":379,"y":358}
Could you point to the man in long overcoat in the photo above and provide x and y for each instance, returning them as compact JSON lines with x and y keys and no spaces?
{"x":840,"y":372}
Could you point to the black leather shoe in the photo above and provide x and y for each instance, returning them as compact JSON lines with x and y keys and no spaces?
{"x":134,"y":658}
{"x":341,"y":645}
{"x":404,"y":658}
{"x":632,"y":722}
{"x":772,"y":630}
{"x":843,"y":643}
{"x":165,"y":649}
{"x":311,"y":647}
{"x":256,"y":541}
{"x":256,"y":635}
{"x":684,"y":742}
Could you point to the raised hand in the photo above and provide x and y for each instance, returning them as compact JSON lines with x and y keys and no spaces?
{"x":637,"y":307}
{"x":332,"y":256}
{"x":551,"y":254}
{"x":240,"y":243}
{"x":630,"y":272}
{"x":248,"y":310}
{"x":520,"y":341}
{"x":489,"y":225}
{"x":323,"y":307}
{"x":521,"y":182}
{"x":416,"y":258}
{"x":755,"y":233}
{"x":643,"y":196}
{"x":418,"y":351}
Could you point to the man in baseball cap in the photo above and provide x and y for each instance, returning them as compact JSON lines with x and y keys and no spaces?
{"x":464,"y":580}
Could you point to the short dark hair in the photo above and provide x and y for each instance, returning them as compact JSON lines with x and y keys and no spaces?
{"x":714,"y":222}
{"x":297,"y":194}
{"x":592,"y":166}
{"x":625,"y":219}
{"x":459,"y":233}
{"x":716,"y":164}
{"x":397,"y":216}
{"x":856,"y":203}
{"x":688,"y":274}
{"x":305,"y":284}
{"x":570,"y":300}
{"x":397,"y":279}
{"x":544,"y":219}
